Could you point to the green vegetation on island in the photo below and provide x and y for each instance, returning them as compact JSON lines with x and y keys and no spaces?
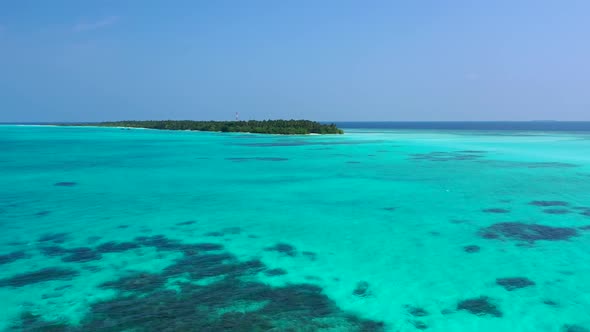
{"x":283,"y":127}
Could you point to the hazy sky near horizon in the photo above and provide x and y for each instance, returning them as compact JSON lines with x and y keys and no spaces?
{"x":321,"y":60}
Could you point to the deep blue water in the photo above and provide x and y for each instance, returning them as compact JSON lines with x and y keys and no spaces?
{"x":468,"y":125}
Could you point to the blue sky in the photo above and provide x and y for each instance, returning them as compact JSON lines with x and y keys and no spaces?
{"x":320,"y":60}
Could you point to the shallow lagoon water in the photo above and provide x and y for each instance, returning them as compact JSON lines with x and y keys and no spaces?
{"x":419,"y":230}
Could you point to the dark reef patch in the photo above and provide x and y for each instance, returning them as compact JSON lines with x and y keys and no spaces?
{"x":584,"y":228}
{"x":65,"y":184}
{"x":283,"y":248}
{"x":43,"y":213}
{"x":51,"y":295}
{"x":472,"y":151}
{"x":238,"y":160}
{"x":160,"y":242}
{"x":198,"y":263}
{"x":471,"y":248}
{"x":496,"y":210}
{"x":52,"y":251}
{"x":303,"y":297}
{"x":214,"y":234}
{"x":123,"y":226}
{"x":54,"y":237}
{"x":417,"y":311}
{"x":145,"y":303}
{"x":353,"y":162}
{"x":420,"y":325}
{"x":186,"y":223}
{"x":31,"y":322}
{"x":527,"y":232}
{"x":573,"y":328}
{"x":204,"y":246}
{"x":212,"y":265}
{"x":275,"y":272}
{"x":113,"y":246}
{"x":240,"y":321}
{"x":390,"y":209}
{"x":550,"y":302}
{"x":489,"y":235}
{"x":549,"y":203}
{"x":42,"y":275}
{"x":140,"y":282}
{"x":556,"y":211}
{"x":481,"y":306}
{"x":12,"y":257}
{"x":515,"y":283}
{"x":586,"y":213}
{"x":446,"y":156}
{"x":550,"y":165}
{"x":361,"y":289}
{"x":81,"y":255}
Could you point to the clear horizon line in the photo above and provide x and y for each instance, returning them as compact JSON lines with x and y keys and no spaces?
{"x":335,"y":121}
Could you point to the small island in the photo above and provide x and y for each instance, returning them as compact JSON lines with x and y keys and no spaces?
{"x":281,"y":127}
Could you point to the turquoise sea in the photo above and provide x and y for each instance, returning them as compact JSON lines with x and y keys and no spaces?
{"x":105,"y":229}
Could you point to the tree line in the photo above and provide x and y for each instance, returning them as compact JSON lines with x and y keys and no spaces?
{"x":284,"y":127}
